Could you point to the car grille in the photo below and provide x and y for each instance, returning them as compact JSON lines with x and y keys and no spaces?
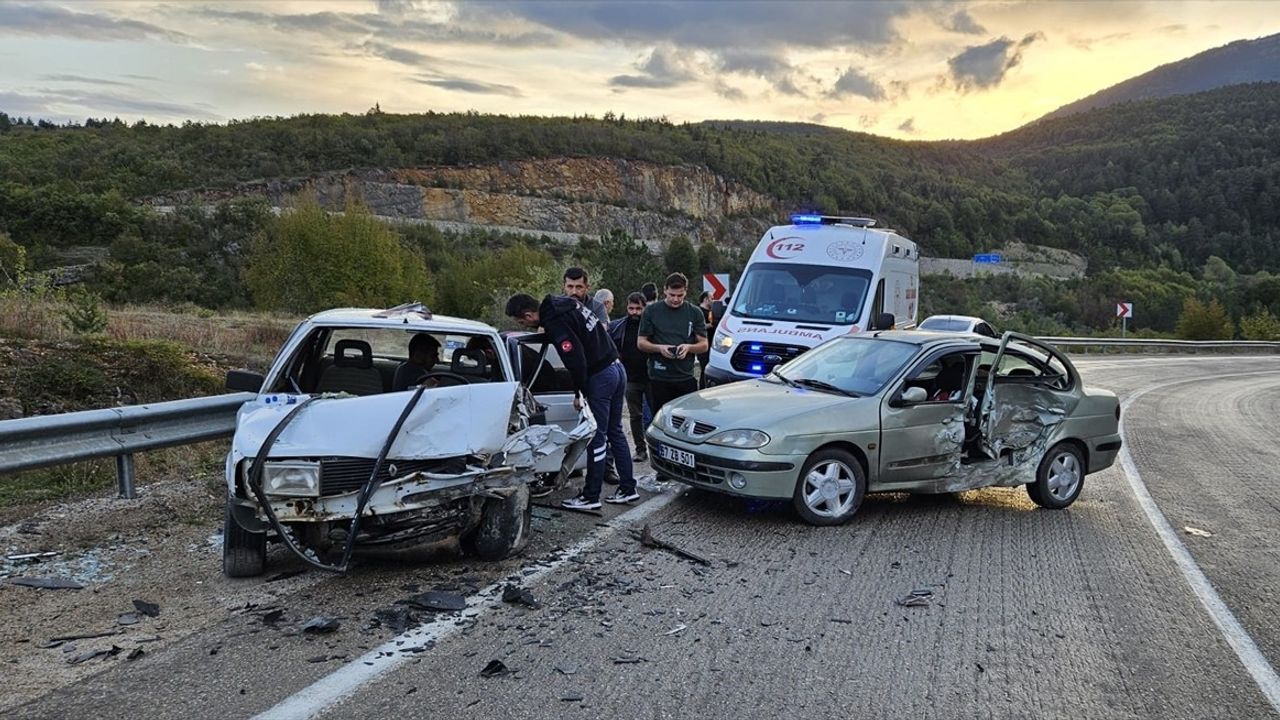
{"x":758,"y":358}
{"x":678,"y":423}
{"x":340,"y":475}
{"x":702,"y":473}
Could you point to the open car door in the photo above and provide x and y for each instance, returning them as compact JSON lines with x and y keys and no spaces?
{"x":1025,"y":394}
{"x":538,"y":368}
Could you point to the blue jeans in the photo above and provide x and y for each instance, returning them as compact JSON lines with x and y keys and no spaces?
{"x":606,"y":392}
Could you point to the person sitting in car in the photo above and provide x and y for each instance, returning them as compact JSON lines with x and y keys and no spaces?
{"x":424,"y":353}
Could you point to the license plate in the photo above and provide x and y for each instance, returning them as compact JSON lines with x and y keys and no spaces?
{"x":676,"y":455}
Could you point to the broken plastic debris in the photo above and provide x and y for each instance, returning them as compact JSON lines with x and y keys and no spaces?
{"x":147,"y":608}
{"x":320,"y":624}
{"x":129,"y":618}
{"x":438,"y":600}
{"x":396,"y":620}
{"x":28,"y":557}
{"x":135,"y":653}
{"x":650,"y":483}
{"x":514,"y":594}
{"x":1196,"y":531}
{"x":47,"y":583}
{"x":272,"y":616}
{"x":495,"y":668}
{"x":679,"y":628}
{"x":919,"y":597}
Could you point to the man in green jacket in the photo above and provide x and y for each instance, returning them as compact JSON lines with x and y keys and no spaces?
{"x":673,"y":332}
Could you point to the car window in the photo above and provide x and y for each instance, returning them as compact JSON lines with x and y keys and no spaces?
{"x":859,"y":365}
{"x":945,"y":324}
{"x":1028,"y":363}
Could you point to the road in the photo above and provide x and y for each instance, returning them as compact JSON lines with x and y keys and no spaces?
{"x":1035,"y":613}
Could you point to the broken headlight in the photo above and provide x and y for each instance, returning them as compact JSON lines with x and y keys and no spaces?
{"x":748,"y":439}
{"x":293,"y":477}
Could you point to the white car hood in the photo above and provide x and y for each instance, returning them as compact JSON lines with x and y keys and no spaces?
{"x":446,"y":422}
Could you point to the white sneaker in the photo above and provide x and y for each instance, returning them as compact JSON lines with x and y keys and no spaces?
{"x":580,"y":503}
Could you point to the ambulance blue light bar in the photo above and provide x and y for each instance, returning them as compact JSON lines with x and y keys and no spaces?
{"x":810,"y":219}
{"x":806,"y":219}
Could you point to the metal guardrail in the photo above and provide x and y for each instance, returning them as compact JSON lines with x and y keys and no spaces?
{"x":1162,"y":344}
{"x":35,"y":442}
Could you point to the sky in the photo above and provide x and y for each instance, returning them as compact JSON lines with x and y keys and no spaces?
{"x":923,"y":70}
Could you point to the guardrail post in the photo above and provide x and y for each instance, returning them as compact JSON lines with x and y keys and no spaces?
{"x":124,"y":475}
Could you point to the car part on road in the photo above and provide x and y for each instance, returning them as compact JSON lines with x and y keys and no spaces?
{"x":646,"y":538}
{"x":46,"y":583}
{"x":1059,"y":478}
{"x":830,"y":487}
{"x":504,"y":526}
{"x":320,"y":625}
{"x":515,"y":594}
{"x":495,"y":668}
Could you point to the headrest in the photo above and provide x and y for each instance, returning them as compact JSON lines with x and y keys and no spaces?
{"x":469,"y":361}
{"x":352,"y":353}
{"x":952,"y":376}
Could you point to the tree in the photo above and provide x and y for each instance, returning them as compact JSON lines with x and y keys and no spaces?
{"x":84,"y":314}
{"x":308,"y":260}
{"x":1261,"y":325}
{"x":1204,"y":322}
{"x":682,"y":258}
{"x":623,"y":264}
{"x":13,"y":261}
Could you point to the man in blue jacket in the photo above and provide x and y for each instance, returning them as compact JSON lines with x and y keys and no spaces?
{"x":592,"y":361}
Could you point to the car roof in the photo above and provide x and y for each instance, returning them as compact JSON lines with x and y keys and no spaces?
{"x":964,"y":318}
{"x":925,"y":337}
{"x":378,"y":317}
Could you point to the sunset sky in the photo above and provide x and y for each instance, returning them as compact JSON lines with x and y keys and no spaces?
{"x":918,"y":70}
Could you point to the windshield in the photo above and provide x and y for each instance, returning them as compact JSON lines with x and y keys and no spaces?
{"x":857,"y":365}
{"x":802,"y":293}
{"x":945,"y":324}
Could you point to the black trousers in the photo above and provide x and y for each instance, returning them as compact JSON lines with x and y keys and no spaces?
{"x":663,"y":391}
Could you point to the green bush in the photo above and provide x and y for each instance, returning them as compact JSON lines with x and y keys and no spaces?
{"x":1204,"y":322}
{"x":85,"y":314}
{"x":1261,"y":325}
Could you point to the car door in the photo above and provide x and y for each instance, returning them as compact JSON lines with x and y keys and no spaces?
{"x":538,"y":366}
{"x":923,"y":440}
{"x":1029,"y":390}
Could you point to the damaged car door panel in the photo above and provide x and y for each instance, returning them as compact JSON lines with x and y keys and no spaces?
{"x":329,"y":459}
{"x":916,"y":411}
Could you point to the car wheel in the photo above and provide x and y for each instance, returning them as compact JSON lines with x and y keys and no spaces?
{"x":830,"y":488}
{"x":1060,"y":477}
{"x":244,"y":553}
{"x":504,"y":527}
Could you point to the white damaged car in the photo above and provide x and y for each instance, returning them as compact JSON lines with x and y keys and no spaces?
{"x":353,"y":442}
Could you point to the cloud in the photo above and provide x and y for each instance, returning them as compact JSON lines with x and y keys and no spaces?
{"x":395,"y":7}
{"x":818,"y":117}
{"x":854,"y":82}
{"x":962,"y":22}
{"x":1087,"y":43}
{"x":908,"y":126}
{"x":662,"y":69}
{"x":469,"y":86}
{"x":51,"y":20}
{"x":867,"y":121}
{"x":728,"y":92}
{"x":404,"y":56}
{"x":777,"y":71}
{"x":59,"y":104}
{"x":981,"y":67}
{"x":85,"y":80}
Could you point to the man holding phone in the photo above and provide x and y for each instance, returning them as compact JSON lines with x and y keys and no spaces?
{"x":673,"y":332}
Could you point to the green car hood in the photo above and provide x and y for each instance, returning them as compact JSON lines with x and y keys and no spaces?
{"x":773,"y":408}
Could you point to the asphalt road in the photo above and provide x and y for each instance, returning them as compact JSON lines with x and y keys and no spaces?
{"x":1035,"y":613}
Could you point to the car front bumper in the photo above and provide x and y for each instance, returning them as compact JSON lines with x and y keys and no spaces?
{"x":732,"y":471}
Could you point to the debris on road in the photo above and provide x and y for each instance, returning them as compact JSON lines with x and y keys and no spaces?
{"x":628,"y":660}
{"x":567,"y":669}
{"x":83,"y":636}
{"x":32,"y":557}
{"x":396,"y":619}
{"x":46,"y":583}
{"x":129,"y":618}
{"x":437,"y":600}
{"x":647,"y":539}
{"x":284,"y":575}
{"x":272,"y":616}
{"x":147,"y":608}
{"x":135,"y":653}
{"x":651,"y":483}
{"x":512,"y":593}
{"x":91,"y":654}
{"x":1196,"y":531}
{"x":495,"y":668}
{"x":320,"y":624}
{"x":571,"y":697}
{"x":677,"y":629}
{"x":920,"y":597}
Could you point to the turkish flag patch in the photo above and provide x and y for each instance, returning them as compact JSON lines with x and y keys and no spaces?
{"x":566,"y":346}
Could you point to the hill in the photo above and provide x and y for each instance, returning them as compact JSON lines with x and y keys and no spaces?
{"x":1240,"y":62}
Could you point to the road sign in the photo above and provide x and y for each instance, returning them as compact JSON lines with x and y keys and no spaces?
{"x":717,"y":284}
{"x":987,"y":258}
{"x":1124,"y":310}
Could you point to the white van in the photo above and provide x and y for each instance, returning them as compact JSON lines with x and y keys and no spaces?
{"x":808,"y":282}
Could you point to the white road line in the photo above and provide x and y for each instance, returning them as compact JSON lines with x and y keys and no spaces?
{"x":1236,"y":636}
{"x":337,"y":685}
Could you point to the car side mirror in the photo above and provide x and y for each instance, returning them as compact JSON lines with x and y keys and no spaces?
{"x":883,"y":321}
{"x":244,"y":381}
{"x":914,"y":394}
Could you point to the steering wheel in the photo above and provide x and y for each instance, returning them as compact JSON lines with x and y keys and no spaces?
{"x":444,"y":374}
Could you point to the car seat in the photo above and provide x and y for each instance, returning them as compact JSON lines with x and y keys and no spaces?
{"x":471,"y":363}
{"x":352,"y":370}
{"x":949,"y":382}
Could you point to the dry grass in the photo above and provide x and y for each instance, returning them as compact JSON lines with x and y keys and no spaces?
{"x":243,"y":339}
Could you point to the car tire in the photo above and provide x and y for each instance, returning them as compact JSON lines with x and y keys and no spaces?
{"x":504,"y":529}
{"x":830,"y":487}
{"x":244,"y":553}
{"x":1060,"y":477}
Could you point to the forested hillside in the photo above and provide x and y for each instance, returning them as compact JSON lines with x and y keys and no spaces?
{"x":1158,"y":187}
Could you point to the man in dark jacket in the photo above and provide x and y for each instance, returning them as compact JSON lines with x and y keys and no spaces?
{"x":592,"y":361}
{"x":623,"y":332}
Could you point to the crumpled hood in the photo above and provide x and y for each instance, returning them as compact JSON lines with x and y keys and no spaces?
{"x":447,"y":422}
{"x":755,"y":403}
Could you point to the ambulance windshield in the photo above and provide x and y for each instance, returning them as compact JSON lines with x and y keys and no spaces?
{"x":802,"y":293}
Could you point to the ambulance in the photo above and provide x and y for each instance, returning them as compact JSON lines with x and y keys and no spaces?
{"x":818,"y":278}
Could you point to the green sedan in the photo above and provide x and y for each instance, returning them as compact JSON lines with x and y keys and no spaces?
{"x":896,"y":411}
